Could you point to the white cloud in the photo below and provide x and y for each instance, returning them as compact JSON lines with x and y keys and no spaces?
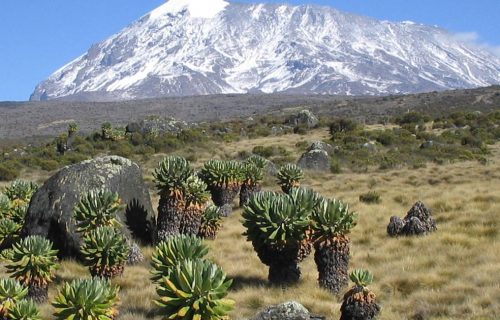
{"x":474,"y":39}
{"x":466,"y":36}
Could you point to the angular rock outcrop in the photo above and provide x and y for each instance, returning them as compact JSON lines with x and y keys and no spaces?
{"x":418,"y":221}
{"x":290,"y":310}
{"x":50,"y":213}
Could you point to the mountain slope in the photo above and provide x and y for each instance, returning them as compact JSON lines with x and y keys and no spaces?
{"x":198,"y":47}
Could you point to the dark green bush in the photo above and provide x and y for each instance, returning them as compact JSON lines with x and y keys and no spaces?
{"x":370,"y":197}
{"x":341,"y":125}
{"x":48,"y":165}
{"x":8,"y":173}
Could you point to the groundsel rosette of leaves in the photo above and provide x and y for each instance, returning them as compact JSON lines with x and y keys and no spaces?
{"x":4,"y":205}
{"x":24,"y":310}
{"x":219,"y":173}
{"x":195,"y":289}
{"x":97,"y":208}
{"x":171,"y":175}
{"x":174,"y":250}
{"x":11,"y":291}
{"x":21,"y":190}
{"x":105,"y":251}
{"x":332,"y":218}
{"x":8,"y":231}
{"x":361,"y":277}
{"x":89,"y":299}
{"x":32,"y":261}
{"x":195,"y":192}
{"x":360,"y":302}
{"x":210,"y":222}
{"x":289,"y":177}
{"x":273,"y":218}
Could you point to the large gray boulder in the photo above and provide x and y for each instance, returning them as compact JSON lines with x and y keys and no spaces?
{"x":315,"y":160}
{"x":50,"y":213}
{"x":320,"y":145}
{"x":304,"y":118}
{"x":290,"y":310}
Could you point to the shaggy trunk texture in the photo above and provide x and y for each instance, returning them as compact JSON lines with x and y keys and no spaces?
{"x":359,"y":305}
{"x":38,"y":294}
{"x":282,"y":261}
{"x":169,"y":218}
{"x":106,"y":272}
{"x":135,"y":255}
{"x":247,"y":190}
{"x":191,"y":221}
{"x":332,"y":260}
{"x":223,"y":197}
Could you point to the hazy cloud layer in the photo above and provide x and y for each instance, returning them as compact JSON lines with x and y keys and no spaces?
{"x":474,"y":38}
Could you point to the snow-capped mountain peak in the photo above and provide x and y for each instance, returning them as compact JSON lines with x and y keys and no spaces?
{"x":196,"y":8}
{"x":198,"y":47}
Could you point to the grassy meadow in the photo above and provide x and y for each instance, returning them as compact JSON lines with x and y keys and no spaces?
{"x":450,"y":274}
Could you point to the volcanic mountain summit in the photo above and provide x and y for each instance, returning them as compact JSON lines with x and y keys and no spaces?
{"x":200,"y":47}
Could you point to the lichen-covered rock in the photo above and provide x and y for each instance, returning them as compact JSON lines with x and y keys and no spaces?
{"x":290,"y":310}
{"x":50,"y":213}
{"x":422,"y":213}
{"x":418,"y":221}
{"x":320,"y":145}
{"x":157,"y":125}
{"x":395,"y":226}
{"x":304,"y":118}
{"x":315,"y":160}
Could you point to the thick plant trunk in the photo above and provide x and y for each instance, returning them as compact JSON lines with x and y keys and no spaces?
{"x":190,"y":221}
{"x":332,"y":261}
{"x":282,"y":261}
{"x":223,"y":197}
{"x":169,"y":218}
{"x":284,"y":274}
{"x":38,"y":294}
{"x":247,"y":191}
{"x":358,"y":305}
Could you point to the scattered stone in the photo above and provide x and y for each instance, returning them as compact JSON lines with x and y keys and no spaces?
{"x":277,"y":131}
{"x":320,"y":145}
{"x":157,"y":125}
{"x":370,"y":146}
{"x":290,"y":310}
{"x":418,"y":221}
{"x":304,"y":118}
{"x":50,"y":213}
{"x":427,"y":144}
{"x":395,"y":226}
{"x":315,"y":160}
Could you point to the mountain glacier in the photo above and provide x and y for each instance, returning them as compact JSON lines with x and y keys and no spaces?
{"x":200,"y":47}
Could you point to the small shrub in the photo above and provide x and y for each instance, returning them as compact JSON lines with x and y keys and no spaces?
{"x":48,"y":165}
{"x":370,"y":197}
{"x":335,"y":166}
{"x":8,"y":173}
{"x":342,"y":125}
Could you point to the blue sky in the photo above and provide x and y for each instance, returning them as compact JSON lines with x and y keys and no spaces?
{"x":39,"y":36}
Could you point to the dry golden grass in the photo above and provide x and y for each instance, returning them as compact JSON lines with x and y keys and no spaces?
{"x":450,"y":274}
